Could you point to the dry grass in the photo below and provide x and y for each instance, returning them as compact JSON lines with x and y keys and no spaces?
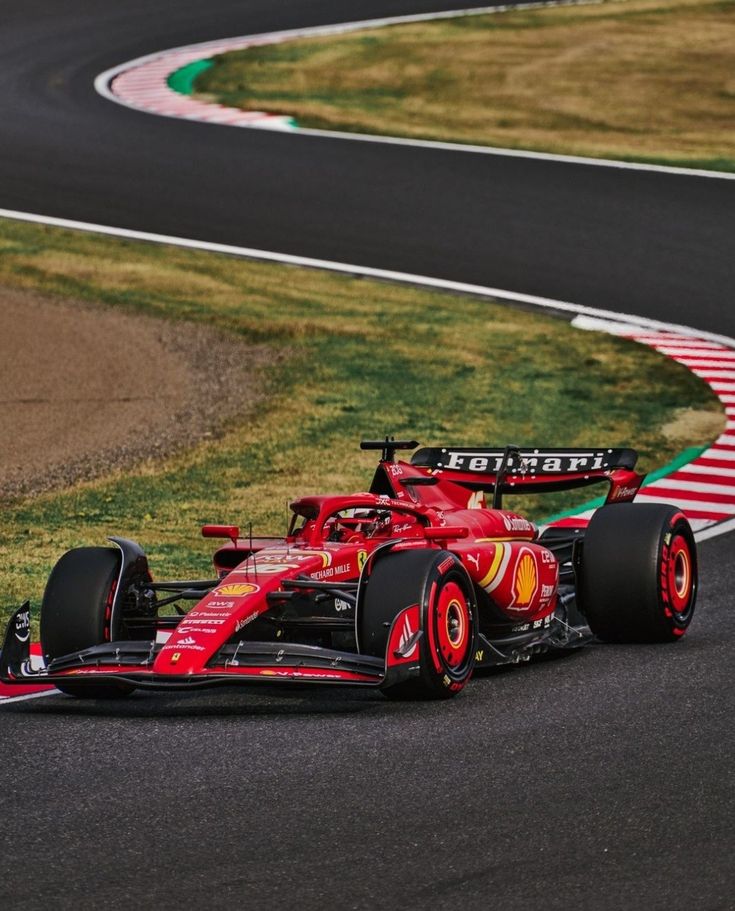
{"x":641,"y":79}
{"x":352,"y":358}
{"x":689,"y":423}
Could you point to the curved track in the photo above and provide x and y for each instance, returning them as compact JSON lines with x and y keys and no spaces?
{"x":598,"y":782}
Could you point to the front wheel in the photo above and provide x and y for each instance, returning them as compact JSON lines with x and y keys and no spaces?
{"x":76,"y":612}
{"x":438,"y":585}
{"x":638,"y":580}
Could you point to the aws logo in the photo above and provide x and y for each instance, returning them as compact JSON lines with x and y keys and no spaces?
{"x":525,"y":580}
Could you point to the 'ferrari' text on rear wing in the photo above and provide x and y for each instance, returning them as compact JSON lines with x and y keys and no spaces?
{"x":534,"y":470}
{"x":530,"y":461}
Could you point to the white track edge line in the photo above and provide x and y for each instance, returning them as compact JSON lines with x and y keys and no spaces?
{"x":440,"y":284}
{"x":368,"y":272}
{"x":103,"y":80}
{"x":714,"y":531}
{"x":504,"y":153}
{"x":7,"y":700}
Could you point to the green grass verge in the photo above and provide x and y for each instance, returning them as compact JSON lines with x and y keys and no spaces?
{"x":352,"y":358}
{"x":644,"y":80}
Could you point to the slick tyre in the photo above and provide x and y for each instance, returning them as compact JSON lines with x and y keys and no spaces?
{"x":76,"y":612}
{"x":638,"y":573}
{"x":437,"y":582}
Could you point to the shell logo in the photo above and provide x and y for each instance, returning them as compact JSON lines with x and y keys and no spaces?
{"x":526,"y":580}
{"x":236,"y":588}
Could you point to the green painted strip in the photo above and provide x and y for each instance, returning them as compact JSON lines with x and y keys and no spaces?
{"x":590,"y":504}
{"x":182,"y":80}
{"x":688,"y":455}
{"x":684,"y":458}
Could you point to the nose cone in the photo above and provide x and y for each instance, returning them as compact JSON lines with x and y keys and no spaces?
{"x":203,"y":631}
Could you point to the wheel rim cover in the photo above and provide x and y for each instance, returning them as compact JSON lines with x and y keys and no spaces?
{"x":452,"y":625}
{"x":679,"y":575}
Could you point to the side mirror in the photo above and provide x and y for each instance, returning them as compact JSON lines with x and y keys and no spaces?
{"x":221,"y":531}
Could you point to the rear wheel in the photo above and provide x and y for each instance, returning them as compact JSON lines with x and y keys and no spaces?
{"x":76,"y":612}
{"x":438,"y":584}
{"x":639,"y":573}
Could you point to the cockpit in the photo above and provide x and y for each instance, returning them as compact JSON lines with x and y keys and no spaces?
{"x":317,"y":522}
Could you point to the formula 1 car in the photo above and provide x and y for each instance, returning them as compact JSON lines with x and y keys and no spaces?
{"x":407,"y":588}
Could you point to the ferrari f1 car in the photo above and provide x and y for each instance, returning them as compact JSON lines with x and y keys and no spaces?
{"x":407,"y":587}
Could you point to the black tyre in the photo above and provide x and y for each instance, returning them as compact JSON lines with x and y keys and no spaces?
{"x":437,"y":582}
{"x":76,"y":612}
{"x":639,"y":573}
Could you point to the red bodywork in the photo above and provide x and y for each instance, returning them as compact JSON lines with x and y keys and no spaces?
{"x":333,"y":541}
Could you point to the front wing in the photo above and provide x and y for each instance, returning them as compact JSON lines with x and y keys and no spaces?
{"x":244,"y":663}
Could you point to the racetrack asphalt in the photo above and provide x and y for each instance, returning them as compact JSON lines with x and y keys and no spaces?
{"x":599,"y":781}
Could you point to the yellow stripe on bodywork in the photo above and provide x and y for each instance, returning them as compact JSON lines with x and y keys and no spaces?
{"x":493,"y":571}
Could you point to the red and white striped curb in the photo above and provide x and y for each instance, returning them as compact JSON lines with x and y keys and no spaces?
{"x":705,"y":488}
{"x":144,"y":85}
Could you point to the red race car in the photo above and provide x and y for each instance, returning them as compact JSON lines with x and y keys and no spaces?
{"x":408,"y":587}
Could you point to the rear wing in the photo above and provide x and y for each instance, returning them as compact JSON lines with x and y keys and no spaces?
{"x":517,"y":470}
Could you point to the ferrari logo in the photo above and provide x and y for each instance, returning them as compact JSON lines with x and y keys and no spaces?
{"x":175,"y":657}
{"x":361,"y":559}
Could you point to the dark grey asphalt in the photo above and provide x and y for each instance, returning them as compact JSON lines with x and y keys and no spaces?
{"x":642,"y":242}
{"x":601,"y":781}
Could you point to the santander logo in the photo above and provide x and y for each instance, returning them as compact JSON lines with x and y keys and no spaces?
{"x":517,"y":523}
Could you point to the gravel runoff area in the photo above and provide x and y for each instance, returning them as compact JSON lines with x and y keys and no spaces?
{"x":85,"y":390}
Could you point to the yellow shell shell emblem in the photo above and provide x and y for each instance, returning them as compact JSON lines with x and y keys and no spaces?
{"x":526,"y":579}
{"x":236,"y":588}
